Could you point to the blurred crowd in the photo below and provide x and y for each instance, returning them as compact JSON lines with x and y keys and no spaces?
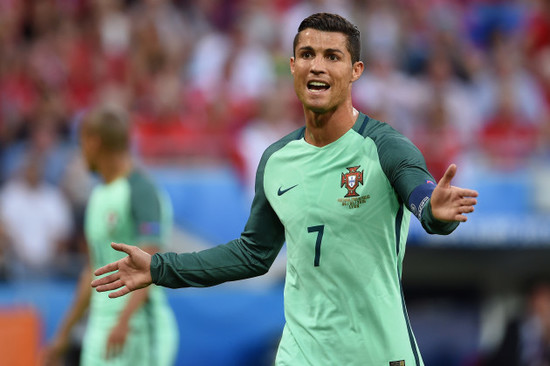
{"x":207,"y":82}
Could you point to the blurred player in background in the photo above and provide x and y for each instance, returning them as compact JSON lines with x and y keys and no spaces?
{"x":339,"y":191}
{"x":126,"y":206}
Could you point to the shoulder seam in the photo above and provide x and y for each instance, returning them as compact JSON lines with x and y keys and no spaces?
{"x":363,"y":124}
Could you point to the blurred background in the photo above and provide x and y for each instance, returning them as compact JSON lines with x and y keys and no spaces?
{"x":208,"y":87}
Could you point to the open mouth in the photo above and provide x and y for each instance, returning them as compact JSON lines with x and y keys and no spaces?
{"x":317,"y":86}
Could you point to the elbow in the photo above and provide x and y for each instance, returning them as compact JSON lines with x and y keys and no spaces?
{"x":261,"y":269}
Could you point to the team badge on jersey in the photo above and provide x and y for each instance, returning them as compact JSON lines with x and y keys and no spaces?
{"x":112,"y":221}
{"x":351,"y":180}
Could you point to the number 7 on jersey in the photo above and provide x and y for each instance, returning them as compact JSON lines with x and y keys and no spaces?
{"x":319,"y":229}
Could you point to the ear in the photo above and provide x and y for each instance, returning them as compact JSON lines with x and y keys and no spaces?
{"x":292,"y":60}
{"x":96,"y":142}
{"x":357,"y":71}
{"x":92,"y":142}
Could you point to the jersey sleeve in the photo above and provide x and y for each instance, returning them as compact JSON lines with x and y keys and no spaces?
{"x":146,"y":210}
{"x":248,"y":256}
{"x":405,"y":168}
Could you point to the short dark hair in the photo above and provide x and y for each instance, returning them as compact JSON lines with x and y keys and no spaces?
{"x":328,"y":22}
{"x":111,"y":124}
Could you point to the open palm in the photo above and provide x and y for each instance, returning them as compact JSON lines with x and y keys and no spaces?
{"x":450,"y":203}
{"x":130,"y":273}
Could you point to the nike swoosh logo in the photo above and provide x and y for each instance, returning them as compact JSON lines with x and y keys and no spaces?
{"x":280,"y":192}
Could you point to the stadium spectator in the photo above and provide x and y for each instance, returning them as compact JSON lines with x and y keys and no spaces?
{"x":537,"y":43}
{"x":454,"y":95}
{"x":276,"y":118}
{"x":80,"y":53}
{"x":505,"y":70}
{"x":231,"y":65}
{"x":508,"y":138}
{"x":437,"y":138}
{"x":382,"y":28}
{"x":388,"y":94}
{"x":37,"y":222}
{"x":537,"y":34}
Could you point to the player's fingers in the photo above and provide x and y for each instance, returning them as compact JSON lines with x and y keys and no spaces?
{"x":123,"y":291}
{"x":461,"y":218}
{"x":115,"y":351}
{"x":111,"y":351}
{"x":105,"y":280}
{"x":122,"y":247}
{"x":448,"y":176}
{"x":110,"y":286}
{"x":107,"y":268}
{"x":464,"y":192}
{"x":461,"y":211}
{"x":466,"y":209}
{"x":467,"y":202}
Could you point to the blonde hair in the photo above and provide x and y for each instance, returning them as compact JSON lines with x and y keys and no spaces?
{"x":111,"y":125}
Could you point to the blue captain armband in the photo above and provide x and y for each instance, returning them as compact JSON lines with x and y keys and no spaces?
{"x":419,"y":197}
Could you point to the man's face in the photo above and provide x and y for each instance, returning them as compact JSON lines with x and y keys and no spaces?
{"x":323,"y":71}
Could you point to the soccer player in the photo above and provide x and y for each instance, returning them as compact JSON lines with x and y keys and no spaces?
{"x":126,"y":206}
{"x":339,"y":191}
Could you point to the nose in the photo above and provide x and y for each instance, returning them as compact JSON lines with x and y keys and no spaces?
{"x":317,"y":66}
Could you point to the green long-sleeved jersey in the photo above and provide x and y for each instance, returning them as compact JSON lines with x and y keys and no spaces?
{"x":344,"y":211}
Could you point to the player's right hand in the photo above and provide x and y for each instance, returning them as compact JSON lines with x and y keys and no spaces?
{"x":130,"y":273}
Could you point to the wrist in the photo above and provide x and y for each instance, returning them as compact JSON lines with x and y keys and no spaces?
{"x":420,"y":198}
{"x":154,"y":268}
{"x":433,"y":225}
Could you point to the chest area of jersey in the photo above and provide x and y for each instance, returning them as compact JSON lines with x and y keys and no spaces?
{"x":108,"y":215}
{"x":338,"y":183}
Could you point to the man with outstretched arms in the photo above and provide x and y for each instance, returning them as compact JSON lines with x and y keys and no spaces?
{"x":339,"y":191}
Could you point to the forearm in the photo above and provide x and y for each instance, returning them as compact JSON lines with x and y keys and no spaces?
{"x":248,"y":256}
{"x":233,"y":261}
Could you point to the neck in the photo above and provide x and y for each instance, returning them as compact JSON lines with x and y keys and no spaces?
{"x":325,"y":128}
{"x":114,"y":166}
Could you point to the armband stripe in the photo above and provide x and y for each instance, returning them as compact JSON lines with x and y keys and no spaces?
{"x":419,"y":197}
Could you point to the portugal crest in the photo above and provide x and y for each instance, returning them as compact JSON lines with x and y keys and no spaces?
{"x":351,"y":180}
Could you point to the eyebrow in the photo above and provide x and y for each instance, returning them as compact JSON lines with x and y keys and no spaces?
{"x":328,"y":50}
{"x":333,"y":50}
{"x":305,"y":48}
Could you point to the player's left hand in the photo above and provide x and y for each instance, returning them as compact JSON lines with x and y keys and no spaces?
{"x":116,"y":340}
{"x":450,"y":203}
